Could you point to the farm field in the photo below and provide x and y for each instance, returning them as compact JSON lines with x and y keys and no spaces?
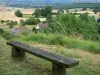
{"x":7,"y":13}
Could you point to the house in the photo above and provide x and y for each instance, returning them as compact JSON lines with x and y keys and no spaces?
{"x":15,"y":31}
{"x":22,"y":30}
{"x":42,"y":26}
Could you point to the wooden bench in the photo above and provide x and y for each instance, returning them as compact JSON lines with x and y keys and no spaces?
{"x":59,"y":63}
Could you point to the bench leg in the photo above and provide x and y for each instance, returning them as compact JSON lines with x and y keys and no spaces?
{"x":58,"y":70}
{"x":18,"y":54}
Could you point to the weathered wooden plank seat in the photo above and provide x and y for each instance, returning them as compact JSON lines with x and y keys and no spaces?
{"x":59,"y":63}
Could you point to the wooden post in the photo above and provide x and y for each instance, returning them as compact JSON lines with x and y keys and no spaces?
{"x":18,"y":54}
{"x":58,"y":70}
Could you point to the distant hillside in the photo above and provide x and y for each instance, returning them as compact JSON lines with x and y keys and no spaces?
{"x":40,"y":1}
{"x":55,"y":1}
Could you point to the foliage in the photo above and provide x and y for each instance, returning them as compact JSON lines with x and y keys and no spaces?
{"x":12,"y":23}
{"x":46,"y":11}
{"x":98,"y":28}
{"x":37,"y":13}
{"x":2,"y":21}
{"x":34,"y":30}
{"x":84,"y":17}
{"x":58,"y":39}
{"x":60,"y":12}
{"x":98,"y":20}
{"x":7,"y":21}
{"x":22,"y":22}
{"x":67,"y":24}
{"x":32,"y":21}
{"x":95,"y":10}
{"x":5,"y":34}
{"x":84,"y":9}
{"x":18,"y":13}
{"x":37,"y":20}
{"x":49,"y":20}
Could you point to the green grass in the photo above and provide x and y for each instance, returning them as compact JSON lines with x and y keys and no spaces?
{"x":27,"y":15}
{"x":54,"y":39}
{"x":89,"y":62}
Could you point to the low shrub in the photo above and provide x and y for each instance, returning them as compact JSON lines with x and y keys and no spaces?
{"x":56,"y":39}
{"x":5,"y":34}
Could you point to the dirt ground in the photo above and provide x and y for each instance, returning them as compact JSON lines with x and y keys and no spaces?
{"x":7,"y":13}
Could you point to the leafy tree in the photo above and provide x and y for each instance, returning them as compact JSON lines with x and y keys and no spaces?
{"x":22,"y":22}
{"x":49,"y":20}
{"x":60,"y":12}
{"x":12,"y":23}
{"x":84,"y":17}
{"x":84,"y":9}
{"x":67,"y":24}
{"x":37,"y":13}
{"x":98,"y":20}
{"x":1,"y":31}
{"x":46,"y":11}
{"x":95,"y":11}
{"x":43,"y":12}
{"x":5,"y":34}
{"x":98,"y":28}
{"x":18,"y":13}
{"x":2,"y":21}
{"x":31,"y":21}
{"x":34,"y":30}
{"x":15,"y":22}
{"x":7,"y":21}
{"x":37,"y":20}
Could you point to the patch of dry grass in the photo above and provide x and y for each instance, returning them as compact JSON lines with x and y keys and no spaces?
{"x":89,"y":62}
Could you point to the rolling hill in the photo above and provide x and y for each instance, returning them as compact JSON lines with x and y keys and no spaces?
{"x":55,"y":1}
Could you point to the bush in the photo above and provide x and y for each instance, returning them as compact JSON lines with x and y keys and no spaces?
{"x":46,"y":11}
{"x":60,"y":12}
{"x":37,"y":13}
{"x":84,"y":17}
{"x":84,"y":9}
{"x":37,"y":20}
{"x":18,"y":13}
{"x":34,"y":30}
{"x":5,"y":34}
{"x":58,"y":39}
{"x":2,"y":21}
{"x":22,"y":22}
{"x":32,"y":21}
{"x":12,"y":23}
{"x":1,"y":30}
{"x":67,"y":24}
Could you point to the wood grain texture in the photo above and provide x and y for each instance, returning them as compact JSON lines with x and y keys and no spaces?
{"x":54,"y":58}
